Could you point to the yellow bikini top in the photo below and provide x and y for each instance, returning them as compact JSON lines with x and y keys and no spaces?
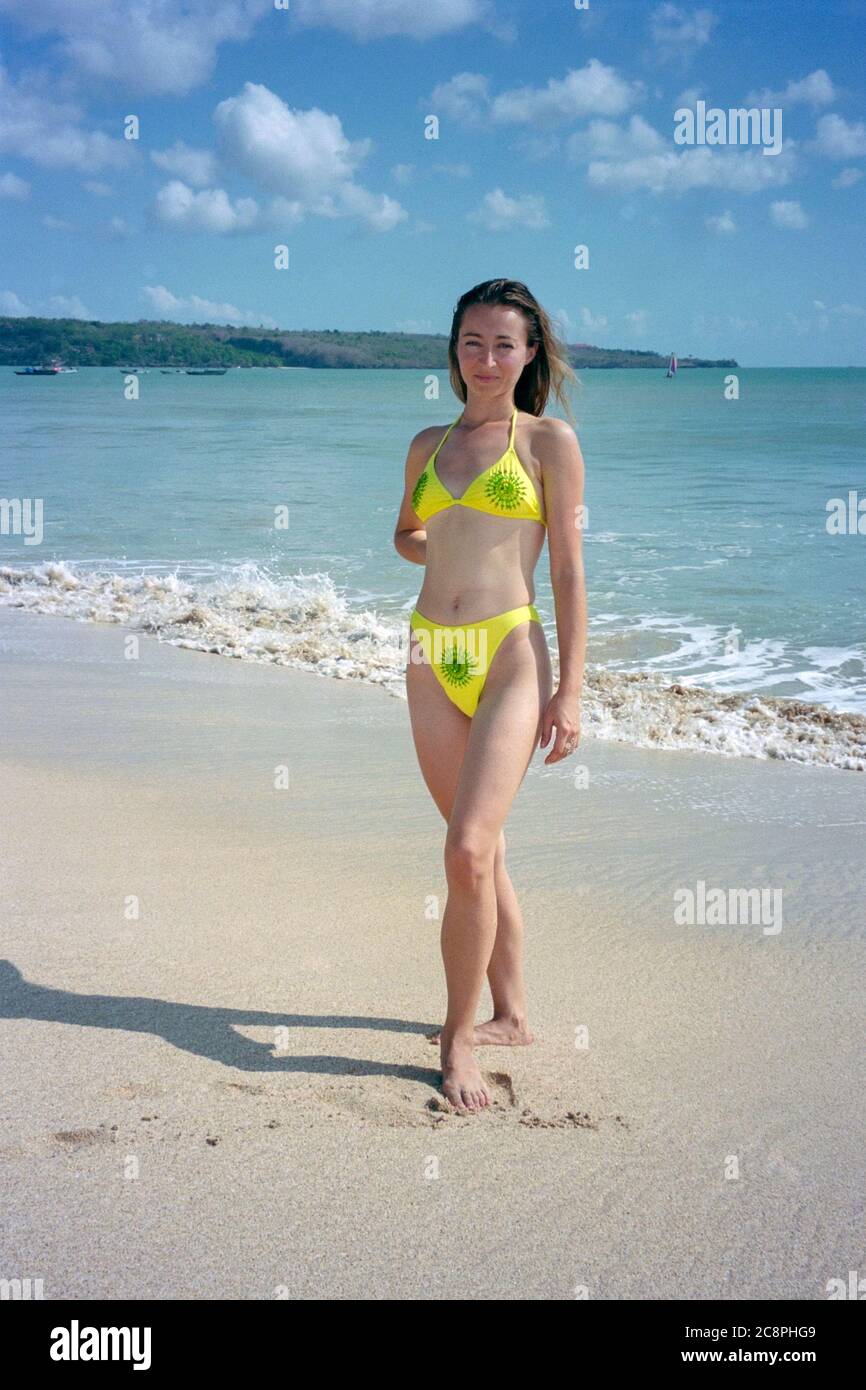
{"x":503,"y":489}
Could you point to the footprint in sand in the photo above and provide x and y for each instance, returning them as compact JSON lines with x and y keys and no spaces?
{"x":134,"y":1090}
{"x":82,"y":1138}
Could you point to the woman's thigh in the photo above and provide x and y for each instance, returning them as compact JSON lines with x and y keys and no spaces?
{"x":439,"y":729}
{"x":503,"y":735}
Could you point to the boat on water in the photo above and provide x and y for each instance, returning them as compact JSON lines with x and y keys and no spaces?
{"x":672,"y":366}
{"x":206,"y":371}
{"x":54,"y":368}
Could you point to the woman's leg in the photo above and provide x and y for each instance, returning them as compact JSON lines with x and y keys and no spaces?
{"x":502,"y":738}
{"x":440,"y":732}
{"x":509,"y":1024}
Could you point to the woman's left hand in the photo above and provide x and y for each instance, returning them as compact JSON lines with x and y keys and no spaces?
{"x":563,"y":711}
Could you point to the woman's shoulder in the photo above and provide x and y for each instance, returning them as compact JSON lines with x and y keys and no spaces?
{"x":552,"y":443}
{"x":428,"y":437}
{"x":548,"y":427}
{"x":547,"y":434}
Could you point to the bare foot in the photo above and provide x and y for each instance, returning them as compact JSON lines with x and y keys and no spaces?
{"x":496,"y":1032}
{"x":461,"y":1079}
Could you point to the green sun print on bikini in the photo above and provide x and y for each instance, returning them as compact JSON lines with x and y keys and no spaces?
{"x":505,"y":489}
{"x":459,"y":666}
{"x":418,"y":490}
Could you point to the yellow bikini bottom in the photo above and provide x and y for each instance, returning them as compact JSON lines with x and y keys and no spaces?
{"x":461,"y":656}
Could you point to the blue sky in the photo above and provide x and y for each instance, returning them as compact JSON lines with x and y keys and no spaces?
{"x":305,"y":126}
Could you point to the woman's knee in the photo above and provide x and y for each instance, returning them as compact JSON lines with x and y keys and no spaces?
{"x":469,"y":856}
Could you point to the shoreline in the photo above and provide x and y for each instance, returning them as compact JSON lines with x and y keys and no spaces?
{"x":304,"y":623}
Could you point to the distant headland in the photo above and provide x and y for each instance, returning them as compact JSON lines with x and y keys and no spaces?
{"x":154,"y":343}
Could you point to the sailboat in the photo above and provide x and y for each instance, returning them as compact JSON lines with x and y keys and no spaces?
{"x":672,"y":365}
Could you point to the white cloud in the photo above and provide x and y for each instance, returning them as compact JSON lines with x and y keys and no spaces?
{"x":297,"y":154}
{"x":538,"y":147}
{"x":836,"y":139}
{"x":562,"y":322}
{"x":741,"y":325}
{"x":13,"y":306}
{"x":788,"y":214}
{"x":302,"y":157}
{"x":464,"y":97}
{"x":13,"y":187}
{"x":815,"y":90}
{"x":593,"y":90}
{"x":679,"y":33}
{"x":596,"y":322}
{"x":378,"y":19}
{"x":403,"y":173}
{"x":637,"y":322}
{"x":194,"y":309}
{"x":499,"y":212}
{"x":210,"y":210}
{"x":61,"y":306}
{"x":35,"y":126}
{"x":167,"y":47}
{"x":739,"y":171}
{"x":713,"y":325}
{"x":607,"y":140}
{"x":377,"y":210}
{"x":845,"y":309}
{"x":415,"y":326}
{"x":55,"y":224}
{"x":846,"y":178}
{"x":283,"y":213}
{"x":824,"y":319}
{"x":195,"y":167}
{"x":723,"y":225}
{"x":101,"y":190}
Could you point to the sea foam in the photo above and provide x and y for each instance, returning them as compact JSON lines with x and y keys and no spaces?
{"x":304,"y":622}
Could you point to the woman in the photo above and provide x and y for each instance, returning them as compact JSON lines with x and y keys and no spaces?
{"x":478,"y":679}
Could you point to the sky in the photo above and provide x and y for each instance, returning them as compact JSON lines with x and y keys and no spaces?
{"x":403,"y":150}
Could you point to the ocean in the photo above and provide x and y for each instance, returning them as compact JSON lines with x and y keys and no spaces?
{"x":724,"y":615}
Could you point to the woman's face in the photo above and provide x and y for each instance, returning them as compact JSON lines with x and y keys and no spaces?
{"x":492,"y":350}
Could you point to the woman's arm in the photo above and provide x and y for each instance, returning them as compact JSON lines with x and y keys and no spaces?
{"x":410,"y":536}
{"x":562,"y":472}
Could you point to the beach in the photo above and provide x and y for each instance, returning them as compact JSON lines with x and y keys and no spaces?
{"x":223,"y":893}
{"x":317,"y":317}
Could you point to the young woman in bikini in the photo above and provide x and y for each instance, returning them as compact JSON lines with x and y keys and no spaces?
{"x":479,"y":679}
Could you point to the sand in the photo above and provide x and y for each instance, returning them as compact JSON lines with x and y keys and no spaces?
{"x":214,"y":995}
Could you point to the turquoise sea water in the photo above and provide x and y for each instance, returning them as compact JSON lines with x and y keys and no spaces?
{"x":708,"y":557}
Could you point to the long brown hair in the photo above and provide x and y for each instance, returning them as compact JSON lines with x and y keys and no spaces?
{"x":549,"y":367}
